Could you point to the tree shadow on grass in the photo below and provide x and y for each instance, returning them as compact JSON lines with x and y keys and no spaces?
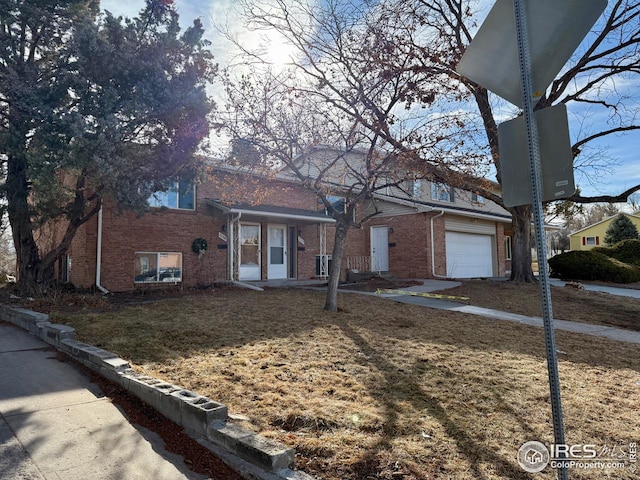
{"x":402,"y":387}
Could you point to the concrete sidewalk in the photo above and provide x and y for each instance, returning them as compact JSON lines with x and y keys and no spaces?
{"x":576,"y":327}
{"x":56,"y":425}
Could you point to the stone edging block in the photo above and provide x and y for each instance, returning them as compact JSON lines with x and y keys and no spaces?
{"x":197,"y":414}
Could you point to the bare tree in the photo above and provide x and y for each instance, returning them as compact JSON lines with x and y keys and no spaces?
{"x":592,"y":76}
{"x":347,"y":85}
{"x":278,"y":127}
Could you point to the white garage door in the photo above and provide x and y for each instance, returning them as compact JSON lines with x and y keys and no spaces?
{"x":468,"y":255}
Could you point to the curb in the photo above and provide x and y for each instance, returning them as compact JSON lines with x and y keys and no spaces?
{"x":253,"y":456}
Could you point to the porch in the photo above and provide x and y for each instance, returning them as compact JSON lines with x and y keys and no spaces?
{"x":274,"y":244}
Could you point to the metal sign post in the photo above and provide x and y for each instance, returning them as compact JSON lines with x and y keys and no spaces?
{"x":522,"y":35}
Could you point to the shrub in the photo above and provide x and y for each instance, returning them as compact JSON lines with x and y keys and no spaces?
{"x":593,"y":265}
{"x":627,"y":251}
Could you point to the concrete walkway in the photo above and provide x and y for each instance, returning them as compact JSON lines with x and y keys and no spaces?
{"x":56,"y":425}
{"x":622,"y":292}
{"x":588,"y":329}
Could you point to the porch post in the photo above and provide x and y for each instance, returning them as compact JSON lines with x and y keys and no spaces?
{"x":324,"y":263}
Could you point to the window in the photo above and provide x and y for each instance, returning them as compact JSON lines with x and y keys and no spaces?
{"x":441,"y":192}
{"x":507,"y":248}
{"x":477,"y":198}
{"x":154,"y":267}
{"x":414,"y":187}
{"x":591,"y":240}
{"x":339,"y":203}
{"x":179,"y":195}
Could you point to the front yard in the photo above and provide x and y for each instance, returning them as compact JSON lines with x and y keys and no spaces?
{"x":379,"y":390}
{"x":568,"y":303}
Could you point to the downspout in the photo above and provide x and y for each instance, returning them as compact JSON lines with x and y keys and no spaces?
{"x":99,"y":255}
{"x":433,"y":257}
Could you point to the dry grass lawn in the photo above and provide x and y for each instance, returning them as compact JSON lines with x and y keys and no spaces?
{"x":568,"y":303}
{"x":380,"y":390}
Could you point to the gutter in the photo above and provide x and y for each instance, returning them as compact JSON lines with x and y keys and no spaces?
{"x":99,"y":255}
{"x":285,"y":216}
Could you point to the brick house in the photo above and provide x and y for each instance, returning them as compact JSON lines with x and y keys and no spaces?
{"x":258,"y":229}
{"x":431,"y":230}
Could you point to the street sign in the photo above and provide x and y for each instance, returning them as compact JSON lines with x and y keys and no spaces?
{"x":518,"y":51}
{"x":555,"y":156}
{"x":556,"y":28}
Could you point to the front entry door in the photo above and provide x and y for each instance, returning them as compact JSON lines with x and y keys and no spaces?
{"x":277,"y":246}
{"x":249,"y":252}
{"x":379,"y":249}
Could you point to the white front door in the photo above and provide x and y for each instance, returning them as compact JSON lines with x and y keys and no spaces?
{"x":249,"y":252}
{"x":277,"y":246}
{"x":379,"y":249}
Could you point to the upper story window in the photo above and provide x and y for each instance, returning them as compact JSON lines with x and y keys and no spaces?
{"x":180,"y":195}
{"x":414,"y":187}
{"x":477,"y":198}
{"x":441,"y":192}
{"x":339,"y":203}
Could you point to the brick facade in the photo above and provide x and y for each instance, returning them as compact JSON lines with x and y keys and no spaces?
{"x":172,"y":231}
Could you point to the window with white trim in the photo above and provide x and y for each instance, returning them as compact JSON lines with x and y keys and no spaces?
{"x":591,"y":240}
{"x":157,"y":267}
{"x":181,"y":195}
{"x":507,"y":248}
{"x":441,"y":192}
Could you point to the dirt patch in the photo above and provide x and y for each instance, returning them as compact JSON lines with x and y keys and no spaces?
{"x":568,"y":303}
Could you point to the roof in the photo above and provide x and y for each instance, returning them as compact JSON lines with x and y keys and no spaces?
{"x":271,"y":212}
{"x":429,"y":206}
{"x":603,"y":221}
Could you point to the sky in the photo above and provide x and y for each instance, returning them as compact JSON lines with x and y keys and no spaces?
{"x":622,"y":150}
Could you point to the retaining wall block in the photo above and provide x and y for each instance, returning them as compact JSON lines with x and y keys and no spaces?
{"x":143,"y":387}
{"x":260,"y":451}
{"x":26,"y":319}
{"x":197,"y":413}
{"x":93,"y":357}
{"x":54,"y":333}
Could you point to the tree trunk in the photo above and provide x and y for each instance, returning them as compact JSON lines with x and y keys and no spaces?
{"x":30,"y":273}
{"x":521,"y":270}
{"x":331,"y":303}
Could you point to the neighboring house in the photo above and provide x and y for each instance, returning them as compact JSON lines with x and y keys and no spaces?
{"x":593,"y":235}
{"x":257,"y":228}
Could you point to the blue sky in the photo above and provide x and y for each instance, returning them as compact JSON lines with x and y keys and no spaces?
{"x":621,"y":150}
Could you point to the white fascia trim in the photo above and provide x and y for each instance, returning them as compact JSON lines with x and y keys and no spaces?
{"x":284,"y":216}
